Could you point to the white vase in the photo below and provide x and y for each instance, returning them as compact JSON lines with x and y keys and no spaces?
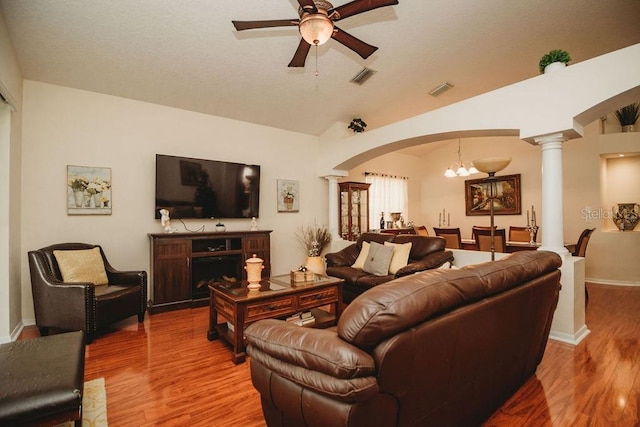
{"x":316,"y":264}
{"x":554,"y":66}
{"x":78,"y":197}
{"x":628,"y":128}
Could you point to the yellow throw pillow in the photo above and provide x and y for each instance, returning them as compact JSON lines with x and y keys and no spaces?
{"x":362,"y":257}
{"x":400,"y":256}
{"x":82,"y":266}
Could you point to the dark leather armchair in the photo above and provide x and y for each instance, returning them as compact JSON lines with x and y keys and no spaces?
{"x":83,"y":306}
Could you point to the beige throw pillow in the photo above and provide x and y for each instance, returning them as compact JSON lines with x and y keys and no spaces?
{"x":84,"y":265}
{"x":400,"y":256}
{"x":362,"y":257}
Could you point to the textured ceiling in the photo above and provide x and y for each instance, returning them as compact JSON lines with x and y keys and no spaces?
{"x":186,"y":53}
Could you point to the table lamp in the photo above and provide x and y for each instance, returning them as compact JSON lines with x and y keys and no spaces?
{"x":492,"y":165}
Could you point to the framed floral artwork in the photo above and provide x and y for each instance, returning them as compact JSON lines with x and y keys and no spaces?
{"x":88,"y":190}
{"x":288,"y":195}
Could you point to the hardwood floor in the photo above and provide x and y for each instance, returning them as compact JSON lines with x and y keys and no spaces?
{"x":166,"y":372}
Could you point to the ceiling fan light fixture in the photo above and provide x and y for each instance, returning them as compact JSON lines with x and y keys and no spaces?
{"x":316,"y":28}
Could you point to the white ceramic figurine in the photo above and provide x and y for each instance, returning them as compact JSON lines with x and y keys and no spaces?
{"x":165,"y":220}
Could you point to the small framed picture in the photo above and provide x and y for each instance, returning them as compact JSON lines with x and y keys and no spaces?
{"x":288,"y":195}
{"x":88,"y":190}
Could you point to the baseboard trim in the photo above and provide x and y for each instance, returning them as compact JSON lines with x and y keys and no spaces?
{"x":13,"y":336}
{"x":610,"y":282}
{"x":573,"y":339}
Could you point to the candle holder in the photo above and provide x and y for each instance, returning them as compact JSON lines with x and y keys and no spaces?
{"x":532,"y":229}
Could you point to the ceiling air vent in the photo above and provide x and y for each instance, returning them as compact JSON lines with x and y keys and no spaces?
{"x":440,"y":88}
{"x":363,"y":76}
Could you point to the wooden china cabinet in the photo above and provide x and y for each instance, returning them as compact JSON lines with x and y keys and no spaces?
{"x":354,"y":209}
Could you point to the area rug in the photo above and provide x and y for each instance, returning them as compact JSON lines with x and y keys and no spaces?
{"x":94,"y":405}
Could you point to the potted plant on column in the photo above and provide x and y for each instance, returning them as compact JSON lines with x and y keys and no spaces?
{"x":628,"y":116}
{"x":554,"y":60}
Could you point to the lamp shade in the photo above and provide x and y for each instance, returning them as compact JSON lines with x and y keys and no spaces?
{"x":316,"y":28}
{"x":449,"y":173}
{"x":492,"y":165}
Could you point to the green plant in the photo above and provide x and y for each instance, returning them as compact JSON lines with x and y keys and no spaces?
{"x":357,"y":125}
{"x":557,"y":55}
{"x":628,"y":115}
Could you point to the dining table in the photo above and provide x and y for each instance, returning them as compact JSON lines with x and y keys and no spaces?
{"x":512,"y":246}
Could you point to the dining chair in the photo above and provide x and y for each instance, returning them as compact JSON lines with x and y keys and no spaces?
{"x":581,"y":246}
{"x":521,"y":234}
{"x":421,"y":230}
{"x":480,"y":227}
{"x":451,"y":235}
{"x":581,"y":250}
{"x":483,"y":239}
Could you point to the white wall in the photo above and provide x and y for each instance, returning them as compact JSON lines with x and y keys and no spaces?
{"x":10,"y":162}
{"x":65,"y":126}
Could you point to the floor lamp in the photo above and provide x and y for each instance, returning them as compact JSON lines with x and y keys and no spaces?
{"x":492,"y":165}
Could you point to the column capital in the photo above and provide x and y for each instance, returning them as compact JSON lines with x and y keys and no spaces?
{"x":558,"y":137}
{"x":331,"y":178}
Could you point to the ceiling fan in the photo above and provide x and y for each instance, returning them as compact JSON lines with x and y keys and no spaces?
{"x":316,"y":25}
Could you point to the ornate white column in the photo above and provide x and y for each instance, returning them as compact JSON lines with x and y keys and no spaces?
{"x":333,"y":206}
{"x":569,"y":319}
{"x":552,"y":227}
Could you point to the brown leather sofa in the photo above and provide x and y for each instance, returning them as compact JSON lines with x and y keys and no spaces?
{"x":438,"y":348}
{"x":82,"y":306}
{"x":426,"y":253}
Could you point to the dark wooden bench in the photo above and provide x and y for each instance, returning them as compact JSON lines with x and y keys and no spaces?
{"x":41,"y":380}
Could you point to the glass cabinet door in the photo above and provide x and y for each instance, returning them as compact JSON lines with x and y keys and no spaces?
{"x":354,"y":209}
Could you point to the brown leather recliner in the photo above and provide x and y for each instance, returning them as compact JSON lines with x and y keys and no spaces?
{"x":83,"y":306}
{"x":426,"y":253}
{"x":438,"y":348}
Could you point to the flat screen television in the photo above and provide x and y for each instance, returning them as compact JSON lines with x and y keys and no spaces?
{"x":198,"y":188}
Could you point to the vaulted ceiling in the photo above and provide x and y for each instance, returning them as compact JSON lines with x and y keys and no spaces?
{"x":187,"y":54}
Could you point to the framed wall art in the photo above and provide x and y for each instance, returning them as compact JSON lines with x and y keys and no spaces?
{"x":288,"y":195}
{"x":88,"y":190}
{"x":506,"y":195}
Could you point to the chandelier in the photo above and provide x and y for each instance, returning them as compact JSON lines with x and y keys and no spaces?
{"x":460,"y":168}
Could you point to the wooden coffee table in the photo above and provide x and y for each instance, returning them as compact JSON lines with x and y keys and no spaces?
{"x":276,"y":298}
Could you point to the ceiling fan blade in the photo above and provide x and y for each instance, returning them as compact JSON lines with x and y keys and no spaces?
{"x":308,"y":5}
{"x":250,"y":25}
{"x":359,"y":6}
{"x":358,"y":46}
{"x":301,"y":54}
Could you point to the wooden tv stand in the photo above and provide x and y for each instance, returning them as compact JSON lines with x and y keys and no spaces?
{"x":183,"y":264}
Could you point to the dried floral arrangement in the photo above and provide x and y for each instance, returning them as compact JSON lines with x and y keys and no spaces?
{"x":313,"y":239}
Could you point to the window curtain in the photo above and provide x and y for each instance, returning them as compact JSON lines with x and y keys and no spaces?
{"x":387,"y":193}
